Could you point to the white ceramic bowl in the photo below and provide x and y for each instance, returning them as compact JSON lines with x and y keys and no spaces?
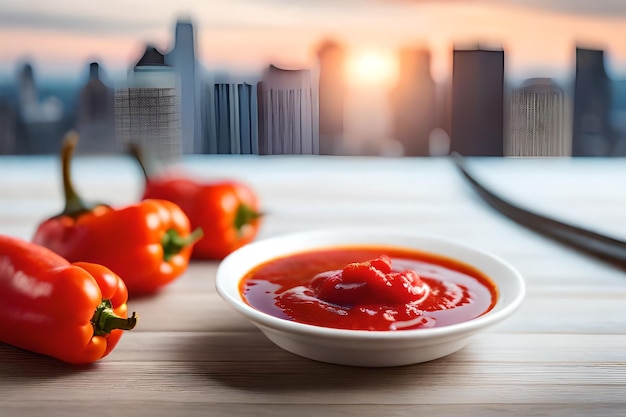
{"x":362,"y":347}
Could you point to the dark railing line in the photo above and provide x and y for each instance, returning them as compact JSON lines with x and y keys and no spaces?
{"x":600,"y":246}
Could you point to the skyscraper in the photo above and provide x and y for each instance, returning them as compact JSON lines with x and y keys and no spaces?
{"x":33,"y":110}
{"x":27,"y":92}
{"x":288,"y":112}
{"x":592,"y":133}
{"x":537,"y":120}
{"x":414,"y":102}
{"x":182,"y":58}
{"x":618,"y":116}
{"x":40,"y":122}
{"x":8,"y":129}
{"x":332,"y":92}
{"x":478,"y":102}
{"x":95,"y":121}
{"x":147,"y":108}
{"x":232,"y":118}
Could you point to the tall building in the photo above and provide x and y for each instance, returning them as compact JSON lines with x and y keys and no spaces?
{"x":28,"y":95}
{"x":288,"y":112}
{"x":232,"y":118}
{"x":592,"y":133}
{"x":414,"y":102}
{"x":148,"y":110}
{"x":332,"y":93}
{"x":477,"y":119}
{"x":41,"y":126}
{"x":618,"y":116}
{"x":95,"y":122}
{"x":537,"y":120}
{"x":8,"y":129}
{"x":32,"y":109}
{"x":182,"y":58}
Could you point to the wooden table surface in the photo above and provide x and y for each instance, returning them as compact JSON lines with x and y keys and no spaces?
{"x":563,"y":353}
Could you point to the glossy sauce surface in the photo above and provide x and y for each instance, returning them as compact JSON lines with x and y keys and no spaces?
{"x":322,"y":288}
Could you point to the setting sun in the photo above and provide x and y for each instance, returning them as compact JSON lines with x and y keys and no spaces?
{"x":372,"y":68}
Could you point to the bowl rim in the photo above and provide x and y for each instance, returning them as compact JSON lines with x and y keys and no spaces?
{"x":499,"y":311}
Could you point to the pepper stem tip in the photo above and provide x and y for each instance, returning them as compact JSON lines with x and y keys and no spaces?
{"x":105,"y":320}
{"x":172,"y":242}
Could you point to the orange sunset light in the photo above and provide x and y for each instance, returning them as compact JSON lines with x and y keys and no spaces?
{"x":372,"y":68}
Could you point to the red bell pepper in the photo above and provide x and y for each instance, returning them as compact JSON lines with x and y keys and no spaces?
{"x":73,"y":312}
{"x":228,"y":212}
{"x":148,"y":244}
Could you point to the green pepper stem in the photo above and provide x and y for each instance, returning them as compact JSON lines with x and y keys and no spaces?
{"x":74,"y":204}
{"x":105,"y":320}
{"x":149,"y":164}
{"x":173,"y":243}
{"x":245,"y":215}
{"x":135,"y":150}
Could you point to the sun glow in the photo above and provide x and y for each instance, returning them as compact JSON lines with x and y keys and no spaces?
{"x":372,"y":68}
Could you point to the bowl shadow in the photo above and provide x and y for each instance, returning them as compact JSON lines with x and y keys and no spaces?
{"x":249,"y":361}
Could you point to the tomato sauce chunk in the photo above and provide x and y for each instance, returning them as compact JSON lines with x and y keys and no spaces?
{"x":369,"y":288}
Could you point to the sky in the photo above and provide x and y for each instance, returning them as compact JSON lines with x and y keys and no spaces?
{"x":539,"y":36}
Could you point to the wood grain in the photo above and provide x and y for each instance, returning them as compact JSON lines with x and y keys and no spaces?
{"x":562,"y":354}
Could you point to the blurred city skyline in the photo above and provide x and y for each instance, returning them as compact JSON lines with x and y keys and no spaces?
{"x":242,"y":36}
{"x":337,"y":94}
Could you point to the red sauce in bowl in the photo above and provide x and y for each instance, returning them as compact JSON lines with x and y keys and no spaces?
{"x":369,"y":288}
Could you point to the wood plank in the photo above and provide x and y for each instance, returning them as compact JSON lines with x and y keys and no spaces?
{"x":211,"y":370}
{"x":200,"y":407}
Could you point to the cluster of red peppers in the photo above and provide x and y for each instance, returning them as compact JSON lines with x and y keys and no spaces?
{"x":227,"y":211}
{"x":64,"y":294}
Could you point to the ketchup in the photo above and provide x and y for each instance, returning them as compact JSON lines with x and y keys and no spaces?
{"x":369,"y":288}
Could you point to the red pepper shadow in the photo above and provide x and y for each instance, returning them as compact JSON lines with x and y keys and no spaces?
{"x":24,"y":366}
